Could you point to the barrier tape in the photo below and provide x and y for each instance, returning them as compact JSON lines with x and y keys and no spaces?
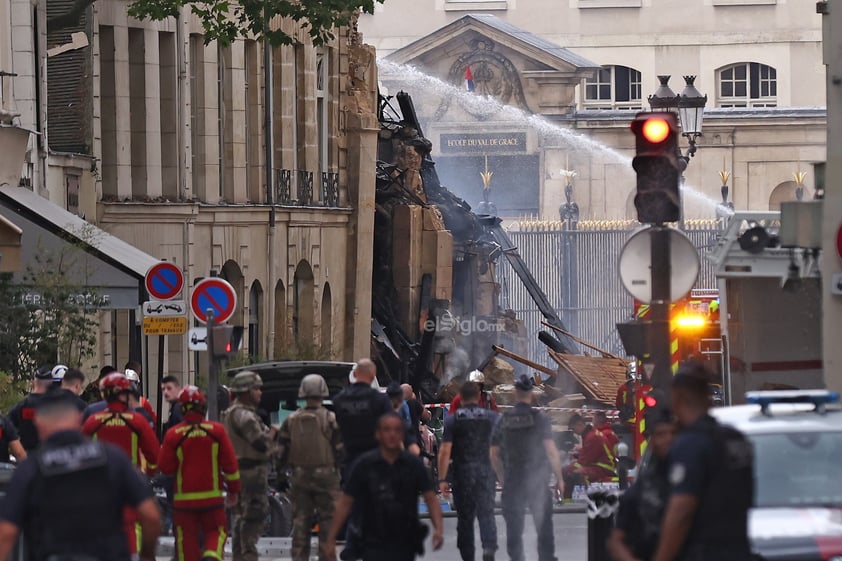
{"x":589,"y":411}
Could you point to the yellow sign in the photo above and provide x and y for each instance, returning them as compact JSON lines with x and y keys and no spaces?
{"x":166,"y":325}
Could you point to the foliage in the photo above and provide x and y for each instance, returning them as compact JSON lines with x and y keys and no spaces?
{"x":225,"y":20}
{"x":46,"y":317}
{"x":11,"y":391}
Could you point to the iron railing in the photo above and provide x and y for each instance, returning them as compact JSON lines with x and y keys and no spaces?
{"x":330,"y":189}
{"x":578,"y":271}
{"x":305,"y":187}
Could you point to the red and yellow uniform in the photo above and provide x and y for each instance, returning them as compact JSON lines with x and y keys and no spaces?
{"x":130,"y":432}
{"x":201,"y":457}
{"x":595,"y":462}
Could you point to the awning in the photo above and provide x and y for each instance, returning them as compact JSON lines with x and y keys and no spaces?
{"x":110,"y":270}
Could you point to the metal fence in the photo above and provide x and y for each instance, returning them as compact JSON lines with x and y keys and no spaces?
{"x":577,"y":269}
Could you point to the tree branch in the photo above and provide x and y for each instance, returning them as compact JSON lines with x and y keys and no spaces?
{"x":70,"y":18}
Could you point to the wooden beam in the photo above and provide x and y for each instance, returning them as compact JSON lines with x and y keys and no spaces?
{"x":524,"y":360}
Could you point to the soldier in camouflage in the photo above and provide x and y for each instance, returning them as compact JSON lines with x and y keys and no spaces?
{"x":254,"y":444}
{"x":311,"y":439}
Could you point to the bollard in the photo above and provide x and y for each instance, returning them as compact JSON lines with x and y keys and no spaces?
{"x":602,"y":505}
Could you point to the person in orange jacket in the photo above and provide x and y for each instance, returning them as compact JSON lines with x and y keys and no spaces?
{"x":129,"y":431}
{"x":200,"y":456}
{"x":600,"y":423}
{"x":595,"y":462}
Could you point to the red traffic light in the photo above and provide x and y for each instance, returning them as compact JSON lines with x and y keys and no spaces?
{"x":650,"y":400}
{"x":655,"y":130}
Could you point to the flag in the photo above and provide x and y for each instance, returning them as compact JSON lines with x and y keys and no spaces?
{"x":469,"y":79}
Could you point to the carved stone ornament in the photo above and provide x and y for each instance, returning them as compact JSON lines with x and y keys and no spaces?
{"x":494,"y":76}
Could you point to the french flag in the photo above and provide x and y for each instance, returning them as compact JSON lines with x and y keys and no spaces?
{"x":469,"y":79}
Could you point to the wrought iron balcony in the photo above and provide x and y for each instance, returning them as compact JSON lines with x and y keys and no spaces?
{"x":305,"y":187}
{"x":283,"y":187}
{"x":330,"y":189}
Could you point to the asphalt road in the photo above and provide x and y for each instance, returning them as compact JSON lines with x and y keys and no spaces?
{"x":570,"y":537}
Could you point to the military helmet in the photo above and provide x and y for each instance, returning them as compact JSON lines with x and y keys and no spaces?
{"x":245,"y":380}
{"x":312,"y":385}
{"x":476,"y":376}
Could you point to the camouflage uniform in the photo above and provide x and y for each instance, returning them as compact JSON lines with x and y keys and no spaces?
{"x":312,"y":439}
{"x":254,"y":447}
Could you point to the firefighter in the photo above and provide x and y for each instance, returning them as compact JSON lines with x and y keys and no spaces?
{"x":486,"y":400}
{"x":600,"y":423}
{"x":138,"y":401}
{"x":254,"y":445}
{"x":129,"y":431}
{"x":311,"y":438}
{"x":200,"y":456}
{"x":467,"y":438}
{"x":524,"y":455}
{"x":22,"y":414}
{"x":595,"y":461}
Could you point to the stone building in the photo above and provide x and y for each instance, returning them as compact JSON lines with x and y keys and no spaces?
{"x":159,"y":140}
{"x":586,"y":66}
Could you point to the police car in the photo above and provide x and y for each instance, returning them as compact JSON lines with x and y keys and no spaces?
{"x":797,"y":438}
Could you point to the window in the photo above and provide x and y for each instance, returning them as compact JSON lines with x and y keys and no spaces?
{"x":613,"y":87}
{"x":748,"y":84}
{"x":322,"y":109}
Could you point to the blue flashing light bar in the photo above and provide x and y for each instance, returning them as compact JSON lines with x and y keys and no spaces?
{"x":818,"y":398}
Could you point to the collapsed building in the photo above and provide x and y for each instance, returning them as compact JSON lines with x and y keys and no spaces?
{"x":436,"y":309}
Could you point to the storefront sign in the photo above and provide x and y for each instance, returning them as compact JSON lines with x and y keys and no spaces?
{"x":483,"y":143}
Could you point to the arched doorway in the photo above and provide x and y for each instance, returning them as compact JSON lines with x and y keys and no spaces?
{"x":302,"y":305}
{"x":255,"y":315}
{"x":784,"y":192}
{"x":327,"y":322}
{"x":234,"y":275}
{"x":280,"y":342}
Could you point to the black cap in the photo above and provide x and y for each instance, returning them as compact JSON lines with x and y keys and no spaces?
{"x":44,"y":372}
{"x":394,"y":389}
{"x":524,"y":383}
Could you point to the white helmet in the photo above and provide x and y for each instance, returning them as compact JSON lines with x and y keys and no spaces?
{"x":58,"y":372}
{"x":132,"y":375}
{"x":476,"y":376}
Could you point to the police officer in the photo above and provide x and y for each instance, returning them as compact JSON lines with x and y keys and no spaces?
{"x":254,"y":445}
{"x":384,"y":485}
{"x":641,"y":510}
{"x":22,"y":414}
{"x":311,"y":438}
{"x":358,"y":407}
{"x":711,"y":478}
{"x":68,"y":496}
{"x":523,"y":455}
{"x":467,"y":438}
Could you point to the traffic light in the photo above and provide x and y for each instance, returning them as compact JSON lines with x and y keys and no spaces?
{"x":658,"y":167}
{"x":222,"y":341}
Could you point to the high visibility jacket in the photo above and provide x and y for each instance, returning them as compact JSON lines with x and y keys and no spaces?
{"x":595,"y":457}
{"x":147,"y":406}
{"x":610,"y":436}
{"x":129,"y":431}
{"x":201,"y":457}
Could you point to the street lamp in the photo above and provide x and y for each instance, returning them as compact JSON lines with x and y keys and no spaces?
{"x":690,"y":106}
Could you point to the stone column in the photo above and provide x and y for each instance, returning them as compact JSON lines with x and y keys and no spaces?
{"x":122,"y":112}
{"x":152,"y":83}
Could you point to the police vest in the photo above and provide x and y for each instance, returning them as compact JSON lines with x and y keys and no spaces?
{"x":357,"y":412}
{"x":312,"y":434}
{"x":25,"y":412}
{"x":471,"y":435}
{"x":74,"y":504}
{"x":235,"y":419}
{"x":723,"y":510}
{"x":654,"y":493}
{"x":522,"y":444}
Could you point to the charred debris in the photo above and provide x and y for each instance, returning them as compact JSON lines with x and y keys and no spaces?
{"x":436,"y":312}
